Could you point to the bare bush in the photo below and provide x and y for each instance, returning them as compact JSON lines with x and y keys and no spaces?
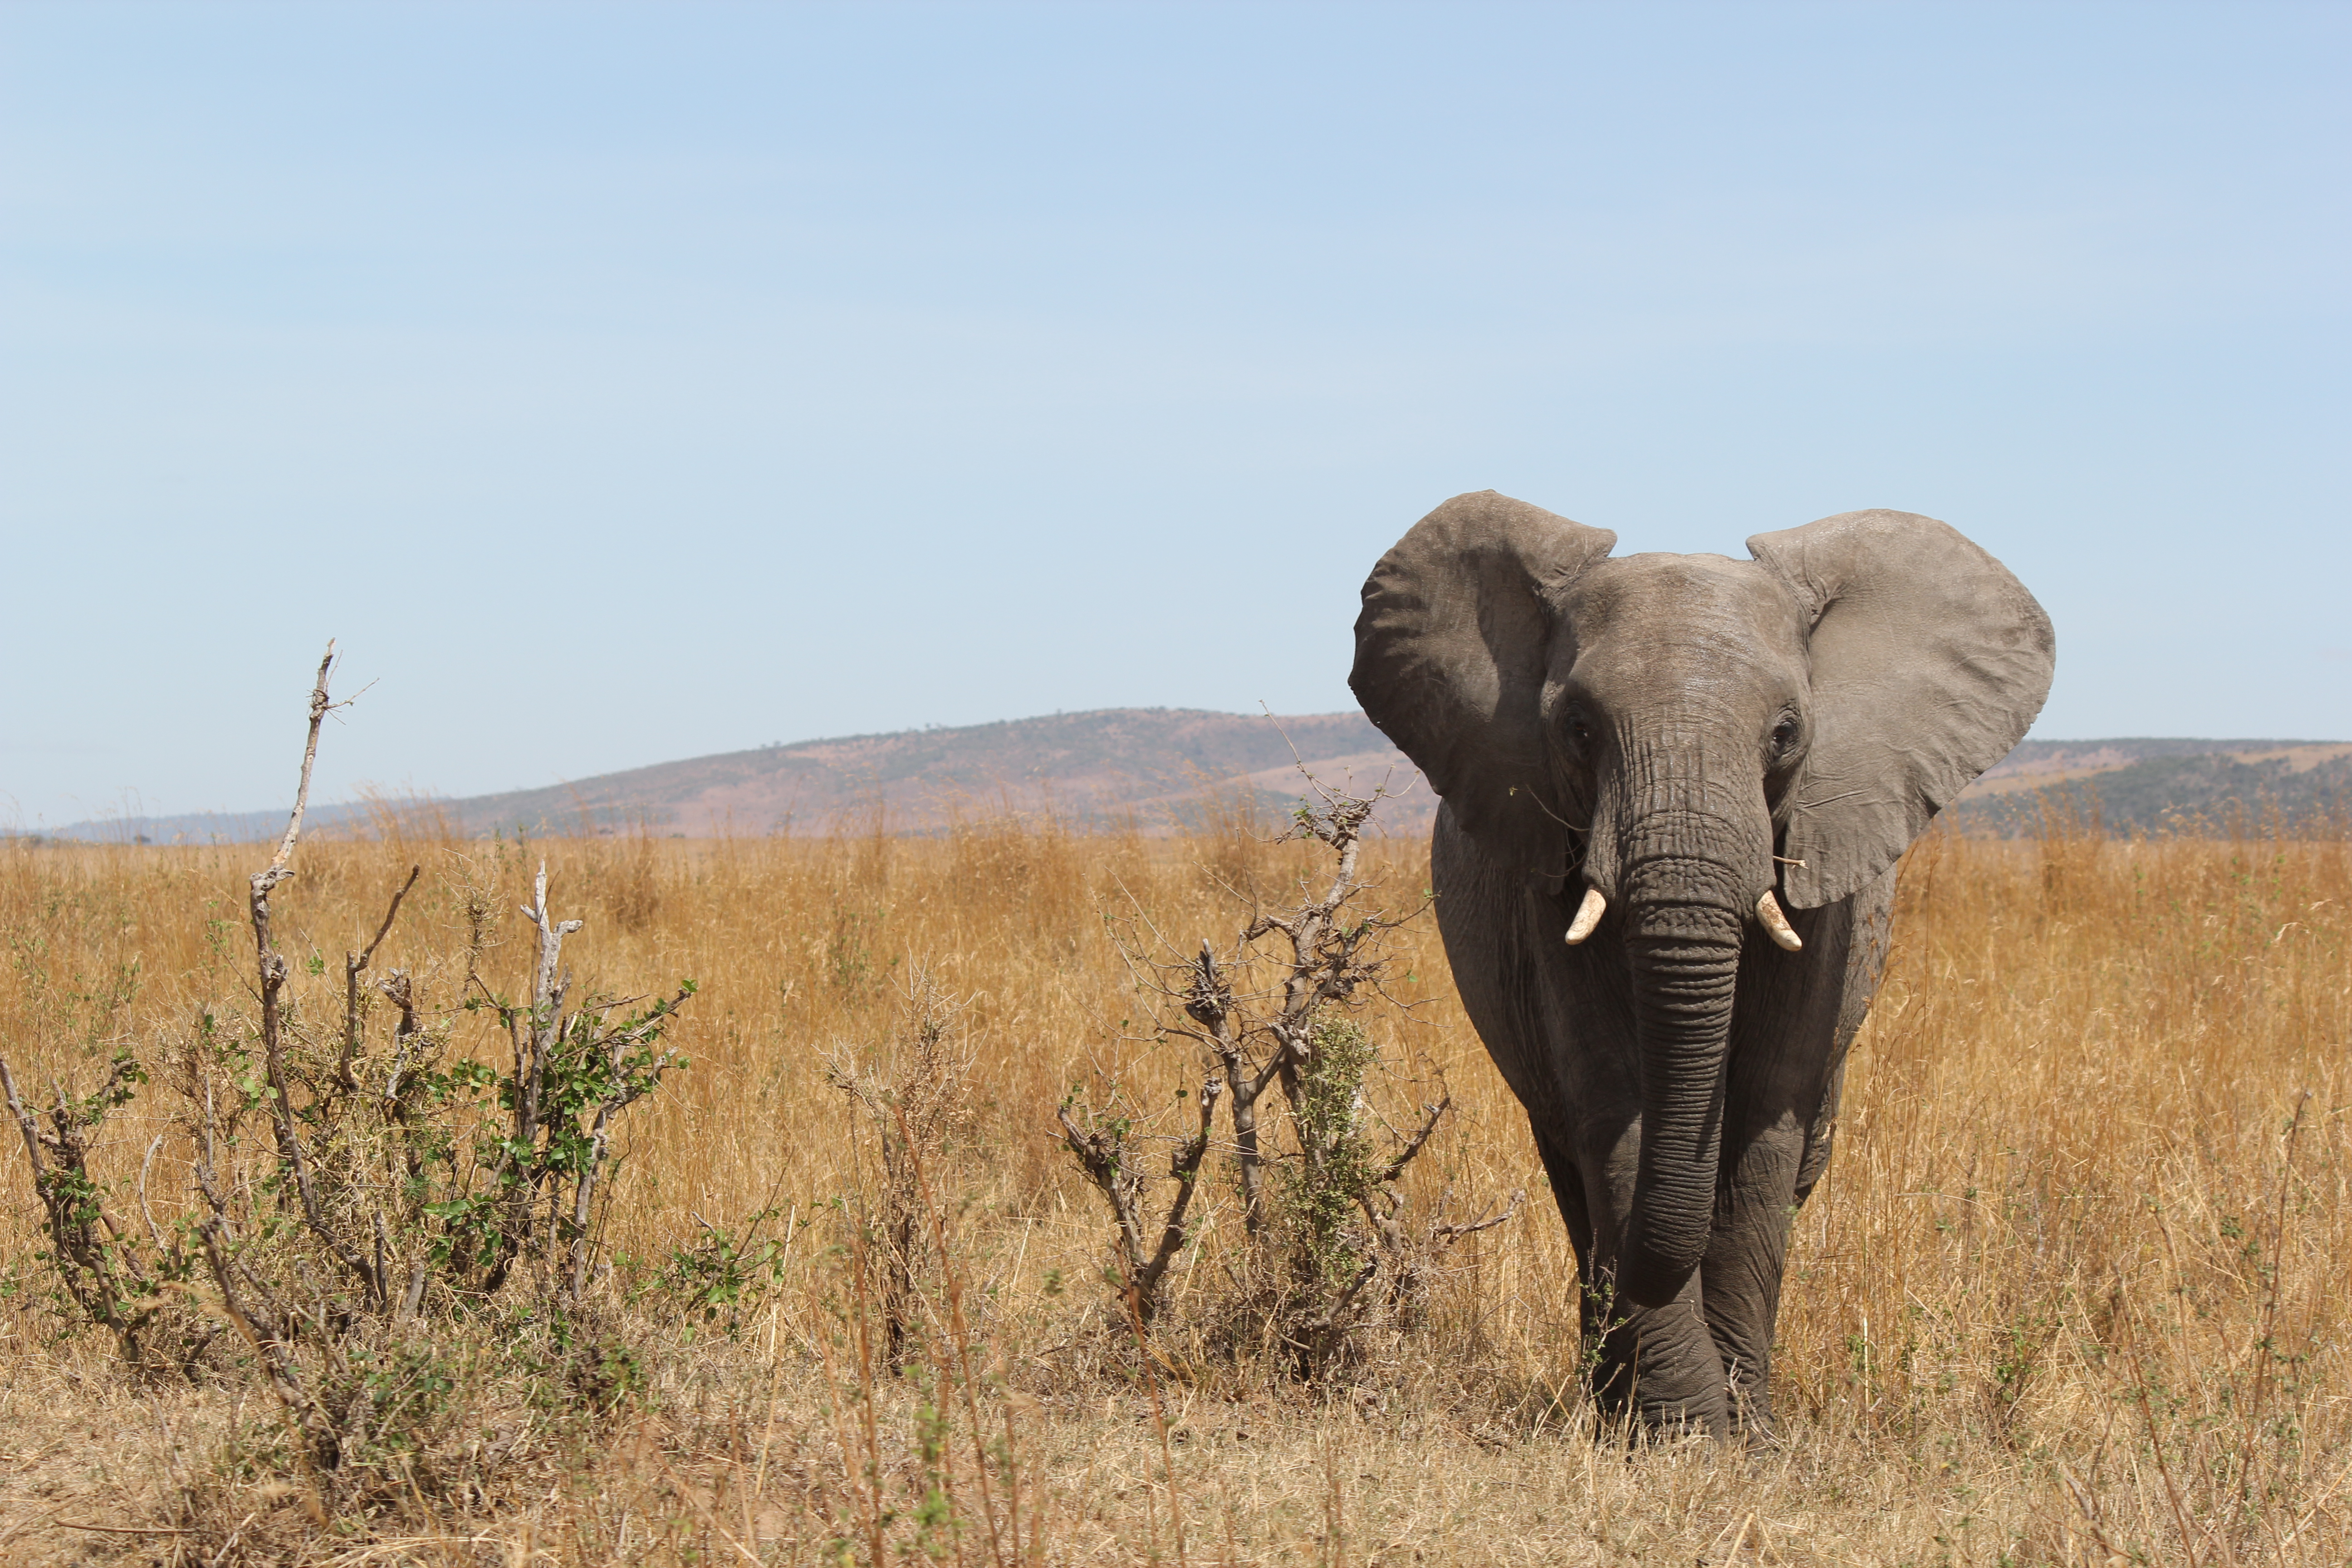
{"x":1328,"y":1246}
{"x":389,"y":1176}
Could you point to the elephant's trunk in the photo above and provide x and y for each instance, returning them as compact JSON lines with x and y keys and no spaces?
{"x":1685,"y":959}
{"x":1689,"y":867}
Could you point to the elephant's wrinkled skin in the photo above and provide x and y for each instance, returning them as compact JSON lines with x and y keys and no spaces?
{"x":1684,"y":734}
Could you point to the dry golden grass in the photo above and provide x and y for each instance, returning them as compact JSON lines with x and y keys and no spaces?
{"x":2073,"y":1292}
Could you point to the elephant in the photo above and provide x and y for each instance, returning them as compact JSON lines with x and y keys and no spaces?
{"x":1671,"y":794}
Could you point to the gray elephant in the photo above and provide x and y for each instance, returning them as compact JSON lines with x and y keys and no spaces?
{"x":1674,"y":790}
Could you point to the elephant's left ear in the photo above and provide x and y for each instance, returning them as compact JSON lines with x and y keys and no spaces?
{"x":1929,"y":661}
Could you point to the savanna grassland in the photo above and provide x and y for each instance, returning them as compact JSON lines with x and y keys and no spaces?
{"x":2074,"y":1288}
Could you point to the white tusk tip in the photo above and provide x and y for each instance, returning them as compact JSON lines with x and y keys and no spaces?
{"x":1588,"y":915}
{"x":1776,"y":924}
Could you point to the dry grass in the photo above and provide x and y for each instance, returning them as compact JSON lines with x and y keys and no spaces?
{"x":2063,"y":1296}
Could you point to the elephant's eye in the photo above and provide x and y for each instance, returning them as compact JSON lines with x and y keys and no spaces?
{"x":1784,"y":734}
{"x":1579,"y":728}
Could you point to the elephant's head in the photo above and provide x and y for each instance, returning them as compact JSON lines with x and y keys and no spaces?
{"x":1686,"y":736}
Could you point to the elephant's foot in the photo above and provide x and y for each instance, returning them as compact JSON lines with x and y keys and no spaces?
{"x":1660,"y":1367}
{"x":1666,"y":1421}
{"x":1663,"y":1423}
{"x":1663,"y":1402}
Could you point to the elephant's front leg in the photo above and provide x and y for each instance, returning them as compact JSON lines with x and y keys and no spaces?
{"x":1786,"y":1042}
{"x":1659,"y":1363}
{"x":1747,"y":1255}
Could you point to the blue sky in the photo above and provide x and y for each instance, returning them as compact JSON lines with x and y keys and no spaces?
{"x":621,"y":384}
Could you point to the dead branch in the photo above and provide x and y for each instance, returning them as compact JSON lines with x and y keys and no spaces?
{"x":1184,"y":1170}
{"x":398,"y":991}
{"x":355,"y":965}
{"x":1208,"y":1001}
{"x":1413,"y":1145}
{"x":273,"y":981}
{"x":320,"y":708}
{"x":1444,"y":1234}
{"x":534,"y":1033}
{"x":1102,"y":1153}
{"x":99,"y":1269}
{"x":250,"y":1313}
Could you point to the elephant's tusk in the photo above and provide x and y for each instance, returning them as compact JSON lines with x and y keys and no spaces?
{"x":1776,"y":924}
{"x":1588,"y":915}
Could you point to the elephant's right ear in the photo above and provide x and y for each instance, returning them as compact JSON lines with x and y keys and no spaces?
{"x":1451,"y":651}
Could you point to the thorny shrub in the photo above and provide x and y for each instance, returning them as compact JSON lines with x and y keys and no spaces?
{"x":356,"y":1203}
{"x":1328,"y":1250}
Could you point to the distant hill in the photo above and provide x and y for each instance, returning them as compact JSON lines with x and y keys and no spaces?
{"x":1161,"y":767}
{"x":2158,"y":786}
